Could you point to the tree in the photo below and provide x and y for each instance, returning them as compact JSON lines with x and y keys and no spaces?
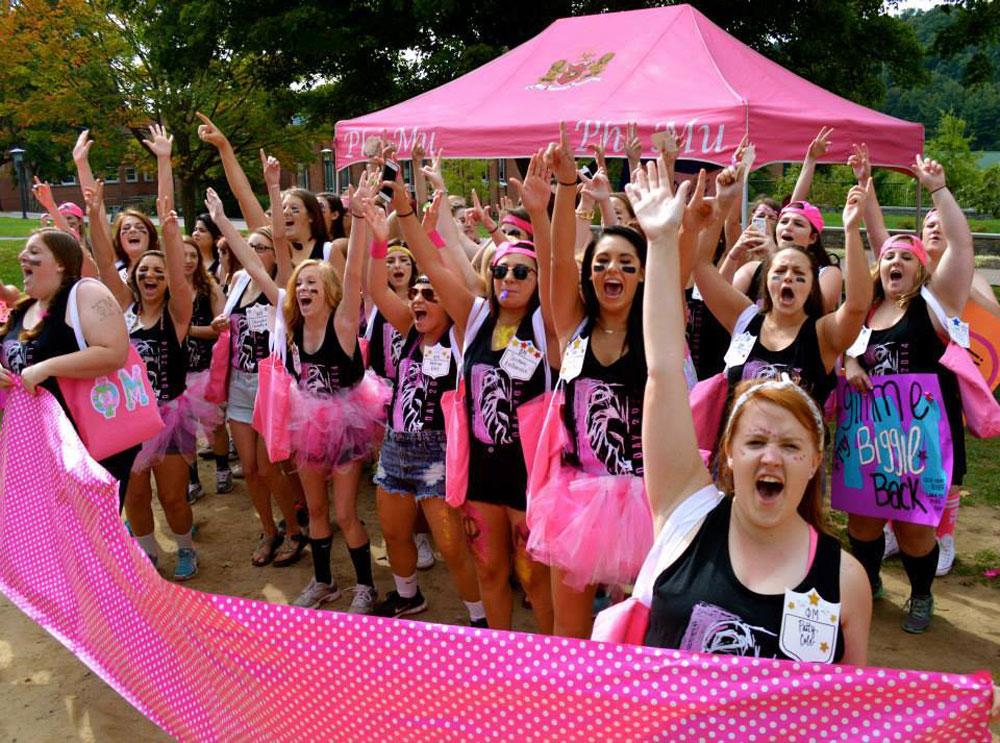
{"x":950,"y":147}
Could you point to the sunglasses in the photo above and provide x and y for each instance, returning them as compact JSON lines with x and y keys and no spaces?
{"x":521,"y":271}
{"x":513,"y":232}
{"x":427,"y":293}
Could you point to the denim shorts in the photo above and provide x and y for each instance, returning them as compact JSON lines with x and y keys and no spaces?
{"x":242,"y":392}
{"x":412,"y":463}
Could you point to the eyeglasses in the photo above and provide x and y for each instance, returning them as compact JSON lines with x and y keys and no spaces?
{"x":520,"y":271}
{"x":427,"y":293}
{"x":261,"y":248}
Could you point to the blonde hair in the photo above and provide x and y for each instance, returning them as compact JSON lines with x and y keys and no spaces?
{"x":332,"y":289}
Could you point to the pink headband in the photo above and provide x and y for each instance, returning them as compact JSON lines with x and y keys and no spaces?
{"x":521,"y":224}
{"x":766,"y":211}
{"x":518,"y":248}
{"x":807,"y":210}
{"x":68,"y":207}
{"x":906,"y":242}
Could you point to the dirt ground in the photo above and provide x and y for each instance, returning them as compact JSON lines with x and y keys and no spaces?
{"x":48,"y":695}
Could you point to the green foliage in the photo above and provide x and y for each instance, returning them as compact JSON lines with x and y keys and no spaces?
{"x":461,"y":176}
{"x":951,"y":147}
{"x":986,"y":196}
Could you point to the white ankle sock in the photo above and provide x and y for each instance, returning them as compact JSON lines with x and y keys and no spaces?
{"x":184,"y":540}
{"x":406,"y":587}
{"x":476,"y":610}
{"x":149,"y":545}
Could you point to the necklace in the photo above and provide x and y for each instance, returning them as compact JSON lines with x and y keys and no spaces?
{"x":609,"y":331}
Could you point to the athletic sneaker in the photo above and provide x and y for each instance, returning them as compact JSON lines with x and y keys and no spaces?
{"x":195,"y":492}
{"x":187,"y":564}
{"x":364,"y":599}
{"x":223,"y":481}
{"x":891,"y":545}
{"x":315,"y":594}
{"x":397,"y":606}
{"x":919,"y":610}
{"x":946,"y":555}
{"x":237,"y":470}
{"x":425,"y":555}
{"x":480,"y":623}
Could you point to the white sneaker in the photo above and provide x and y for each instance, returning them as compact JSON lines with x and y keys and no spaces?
{"x":946,"y":555}
{"x":425,"y":555}
{"x":364,"y":600}
{"x":195,"y":492}
{"x":315,"y":594}
{"x":891,"y":545}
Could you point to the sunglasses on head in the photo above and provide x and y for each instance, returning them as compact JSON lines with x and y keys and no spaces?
{"x":426,"y":292}
{"x":521,"y":271}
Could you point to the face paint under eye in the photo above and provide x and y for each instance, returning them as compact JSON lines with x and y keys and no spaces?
{"x":629,"y":269}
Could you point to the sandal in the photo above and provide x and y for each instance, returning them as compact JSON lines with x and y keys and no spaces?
{"x":266,"y":549}
{"x":290,"y":550}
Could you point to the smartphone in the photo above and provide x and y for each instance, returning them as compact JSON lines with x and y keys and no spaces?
{"x":759,"y":224}
{"x":388,"y":174}
{"x":590,"y":169}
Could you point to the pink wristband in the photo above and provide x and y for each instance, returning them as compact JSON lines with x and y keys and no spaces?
{"x":436,"y":238}
{"x":379,"y":248}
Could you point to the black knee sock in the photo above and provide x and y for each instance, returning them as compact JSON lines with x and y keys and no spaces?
{"x":869,"y":554}
{"x":221,"y":462}
{"x":920,"y":571}
{"x":362,"y":559}
{"x":321,"y":559}
{"x":193,"y":473}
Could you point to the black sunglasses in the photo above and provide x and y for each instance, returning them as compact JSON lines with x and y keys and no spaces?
{"x":521,"y":271}
{"x":427,"y":293}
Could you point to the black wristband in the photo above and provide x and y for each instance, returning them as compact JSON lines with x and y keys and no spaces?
{"x":407,"y":214}
{"x":939,"y":188}
{"x":569,"y":184}
{"x":357,"y":216}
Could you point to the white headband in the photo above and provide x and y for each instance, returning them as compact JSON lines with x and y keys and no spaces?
{"x":785,"y":383}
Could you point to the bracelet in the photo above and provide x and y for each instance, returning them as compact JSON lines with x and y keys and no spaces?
{"x":357,"y":216}
{"x":407,"y":214}
{"x":585,"y":214}
{"x":436,"y":239}
{"x":492,"y":229}
{"x":939,"y":188}
{"x":572,"y":183}
{"x":379,"y":249}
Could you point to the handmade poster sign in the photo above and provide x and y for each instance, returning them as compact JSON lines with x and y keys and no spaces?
{"x":984,"y":342}
{"x":892,"y":453}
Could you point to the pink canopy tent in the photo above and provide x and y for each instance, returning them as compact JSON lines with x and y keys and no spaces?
{"x":662,"y":67}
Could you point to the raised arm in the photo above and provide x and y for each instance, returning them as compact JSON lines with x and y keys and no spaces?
{"x":239,"y":247}
{"x":161,"y":146}
{"x":633,"y":147}
{"x":394,"y":309}
{"x":282,"y":248}
{"x":43,"y":194}
{"x":419,"y":179}
{"x":104,"y":251}
{"x":347,"y":316}
{"x":874,"y":221}
{"x":253,"y":212}
{"x":181,"y":300}
{"x":456,"y":298}
{"x":953,"y":275}
{"x":563,"y":275}
{"x":817,"y":148}
{"x":838,"y":329}
{"x":724,"y":301}
{"x":673,"y":466}
{"x":81,"y":158}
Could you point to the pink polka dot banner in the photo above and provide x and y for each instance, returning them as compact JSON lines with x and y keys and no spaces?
{"x":206,"y":667}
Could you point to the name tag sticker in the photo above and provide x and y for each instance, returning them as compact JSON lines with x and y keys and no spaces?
{"x":572,"y":361}
{"x":520,"y":359}
{"x":739,"y":349}
{"x":437,"y":361}
{"x":860,"y":344}
{"x":809,"y":627}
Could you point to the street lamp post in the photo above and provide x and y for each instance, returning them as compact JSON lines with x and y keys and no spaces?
{"x":327,"y":169}
{"x":18,"y":156}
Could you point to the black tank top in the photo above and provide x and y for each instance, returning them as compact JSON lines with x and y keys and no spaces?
{"x":329,"y":369}
{"x":55,"y":339}
{"x":497,"y":472}
{"x":801,"y":360}
{"x":247,"y":347}
{"x":699,"y":605}
{"x":416,"y":397}
{"x":385,"y":345}
{"x":199,"y":350}
{"x":603,"y":416}
{"x":165,"y":358}
{"x":912,"y":346}
{"x":707,"y":339}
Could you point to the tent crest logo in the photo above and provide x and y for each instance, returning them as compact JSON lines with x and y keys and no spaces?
{"x":563,"y":75}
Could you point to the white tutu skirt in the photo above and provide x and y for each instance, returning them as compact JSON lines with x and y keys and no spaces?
{"x":332,"y":431}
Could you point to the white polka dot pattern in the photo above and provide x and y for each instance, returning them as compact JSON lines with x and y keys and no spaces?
{"x":207,"y":667}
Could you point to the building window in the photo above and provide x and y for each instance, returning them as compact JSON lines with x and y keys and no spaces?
{"x":131,"y":175}
{"x":111,"y":176}
{"x":147,"y":177}
{"x":69,"y":180}
{"x":502,"y":173}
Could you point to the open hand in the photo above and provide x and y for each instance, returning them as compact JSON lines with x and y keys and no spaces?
{"x":658,"y":210}
{"x":214,"y":205}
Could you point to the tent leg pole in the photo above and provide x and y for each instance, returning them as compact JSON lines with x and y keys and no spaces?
{"x":745,"y":207}
{"x":916,"y":220}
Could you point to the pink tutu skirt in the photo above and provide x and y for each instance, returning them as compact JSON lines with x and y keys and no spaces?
{"x":178,"y":435}
{"x":208,"y":415}
{"x":333,"y":431}
{"x":596,"y":528}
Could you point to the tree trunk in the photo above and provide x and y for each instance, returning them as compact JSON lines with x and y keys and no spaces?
{"x":189,"y":202}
